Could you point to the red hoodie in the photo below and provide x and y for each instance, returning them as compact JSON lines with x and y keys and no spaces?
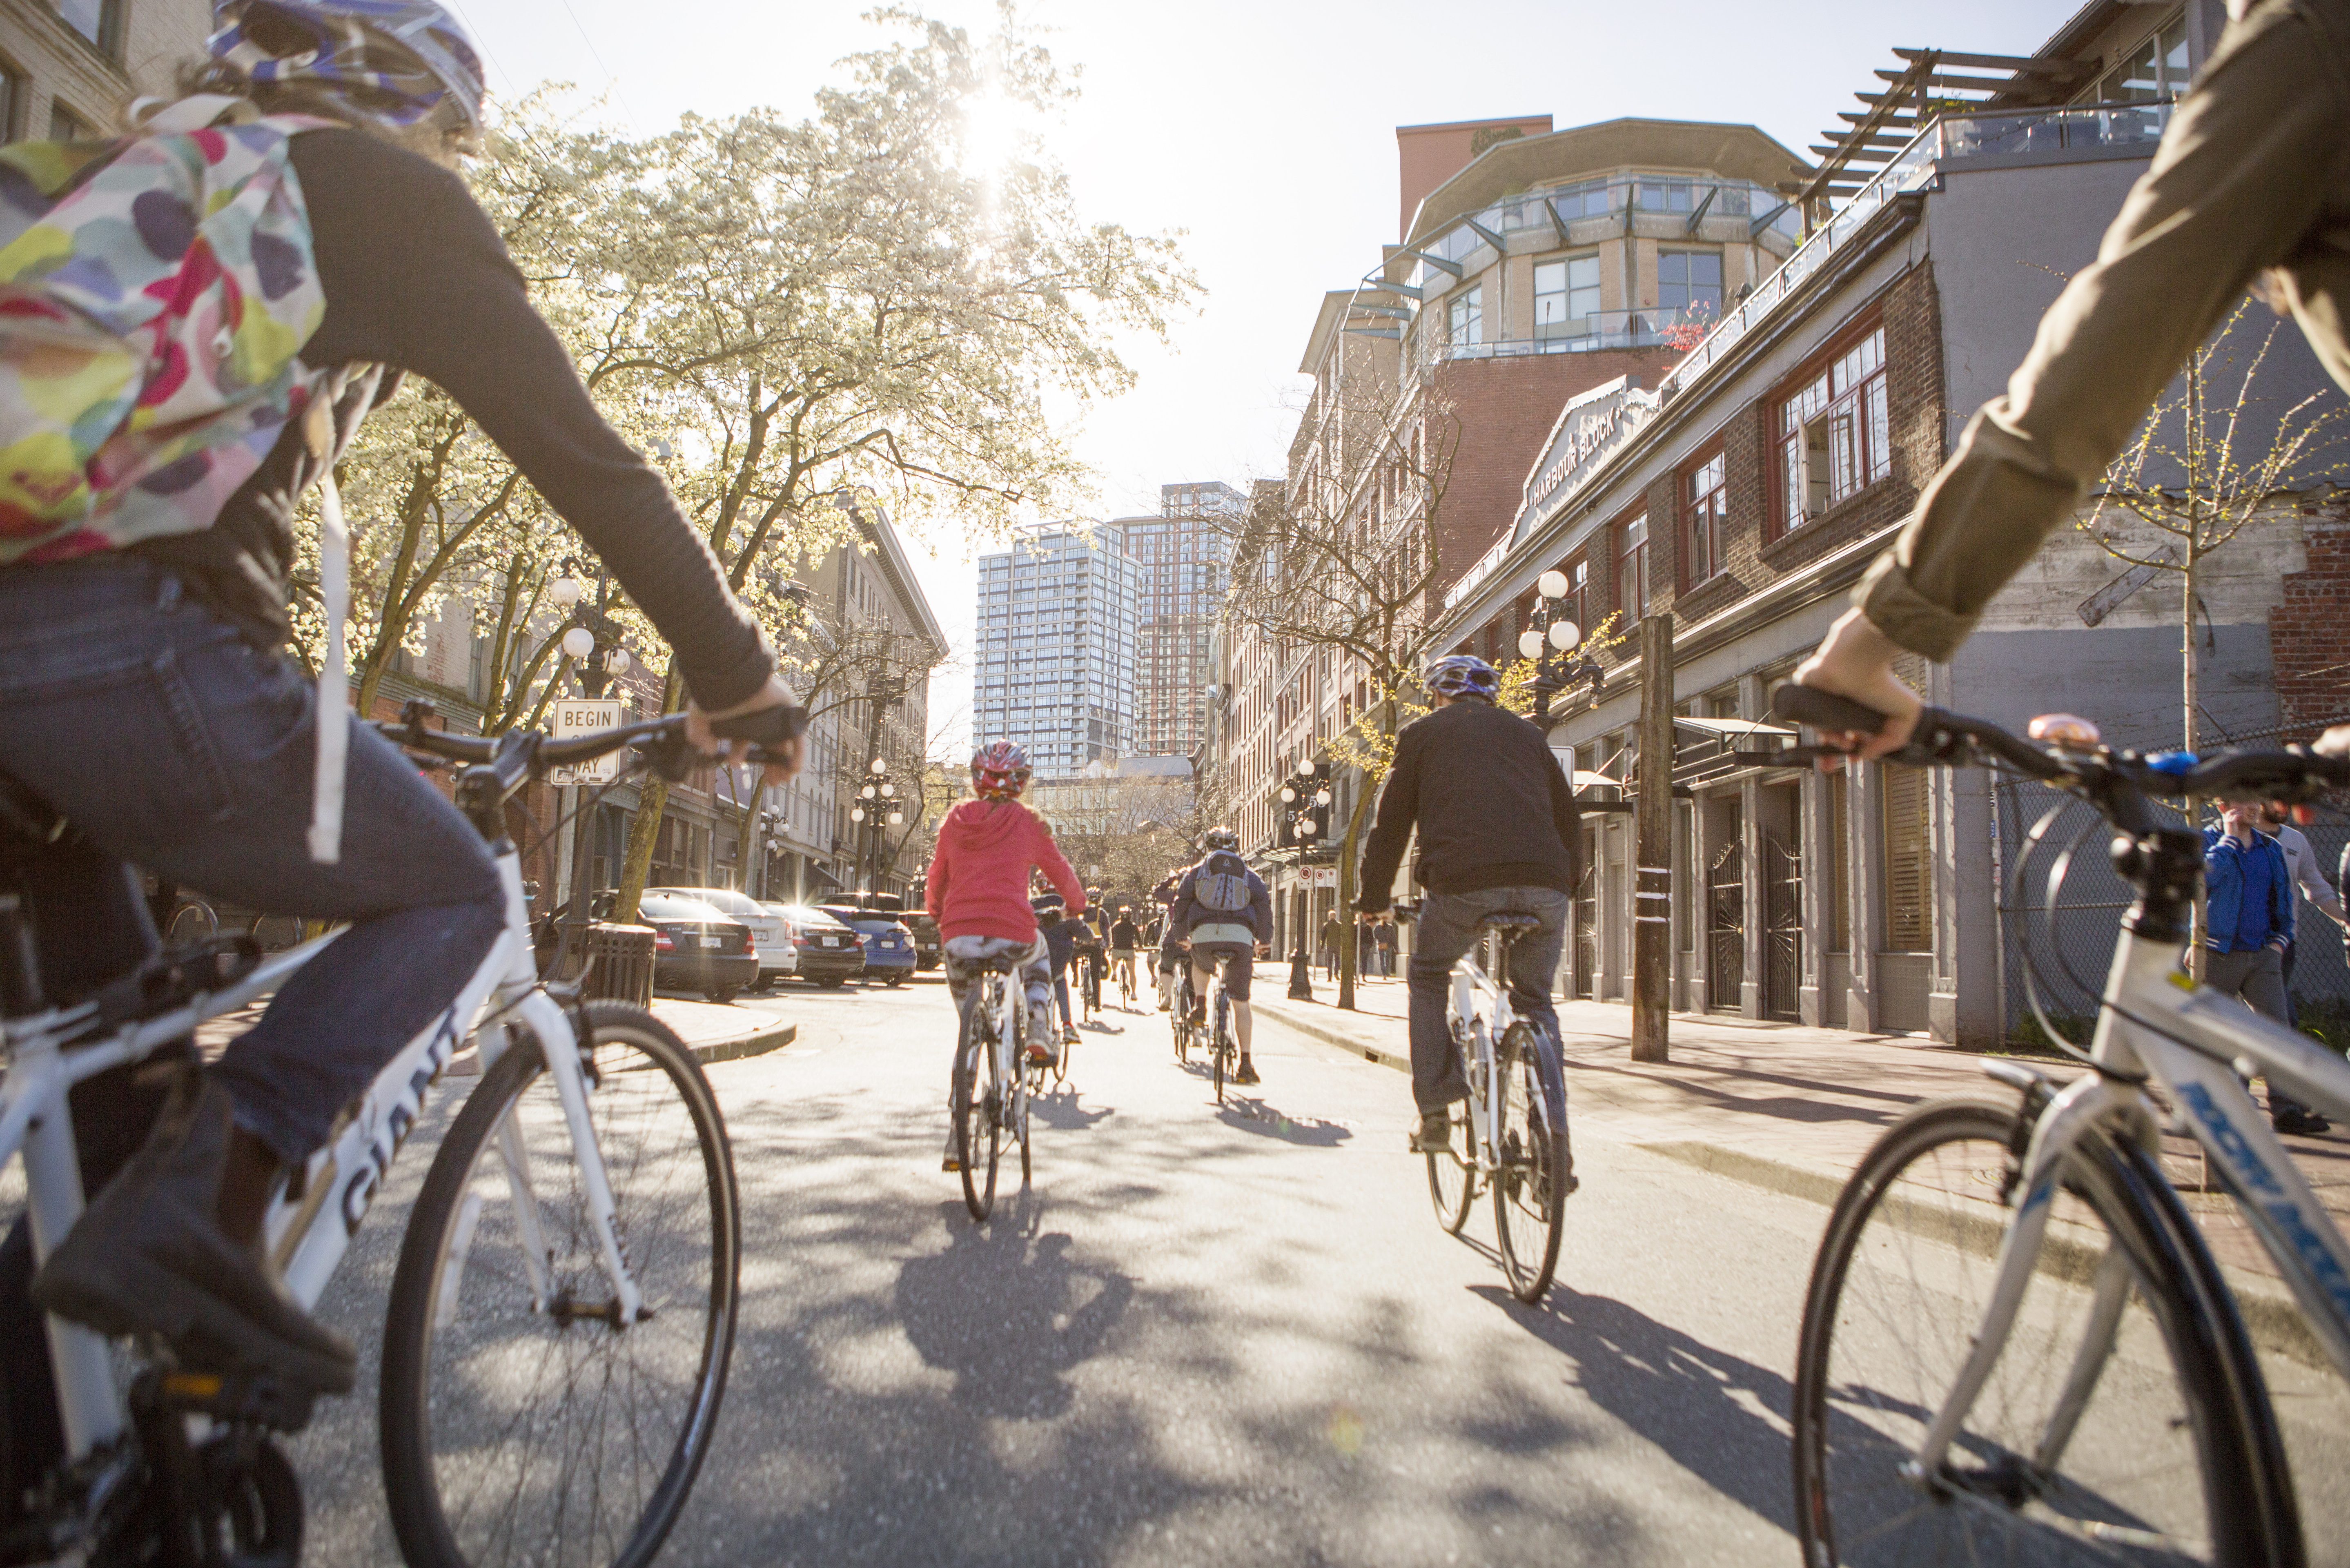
{"x":979,"y":878}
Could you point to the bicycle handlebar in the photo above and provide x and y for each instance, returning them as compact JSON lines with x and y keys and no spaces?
{"x":768,"y":728}
{"x":1942,"y":738}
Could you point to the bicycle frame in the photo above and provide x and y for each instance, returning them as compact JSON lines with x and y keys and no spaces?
{"x":2186,"y":1039}
{"x":310,"y":1225}
{"x":1483,"y":1006}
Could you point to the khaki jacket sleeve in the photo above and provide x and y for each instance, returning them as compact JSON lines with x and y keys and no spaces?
{"x":2240,"y":178}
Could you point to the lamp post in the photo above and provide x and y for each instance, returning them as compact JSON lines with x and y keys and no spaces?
{"x":592,"y":642}
{"x":1549,"y":642}
{"x":878,"y":809}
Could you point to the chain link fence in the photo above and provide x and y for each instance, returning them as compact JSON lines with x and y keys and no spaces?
{"x":2059,"y":919}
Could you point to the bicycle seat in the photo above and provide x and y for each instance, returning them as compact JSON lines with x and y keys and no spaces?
{"x":1510,"y":921}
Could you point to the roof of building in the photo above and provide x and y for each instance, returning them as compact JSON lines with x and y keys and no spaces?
{"x":1740,"y":152}
{"x":1154,"y":767}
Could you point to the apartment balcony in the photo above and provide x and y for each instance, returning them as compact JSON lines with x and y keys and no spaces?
{"x":1565,"y":214}
{"x":1994,"y":139}
{"x":1653,"y":328}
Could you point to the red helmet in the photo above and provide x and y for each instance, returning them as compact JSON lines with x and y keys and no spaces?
{"x":999,"y":770}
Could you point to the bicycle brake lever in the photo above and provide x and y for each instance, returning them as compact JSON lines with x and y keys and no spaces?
{"x":672,"y":756}
{"x":768,"y":727}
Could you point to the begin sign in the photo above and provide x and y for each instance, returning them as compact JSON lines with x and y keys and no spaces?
{"x":572,"y":718}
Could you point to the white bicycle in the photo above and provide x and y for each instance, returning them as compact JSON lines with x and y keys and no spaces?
{"x":2016,"y":1347}
{"x":995,"y":1082}
{"x":563,"y":1310}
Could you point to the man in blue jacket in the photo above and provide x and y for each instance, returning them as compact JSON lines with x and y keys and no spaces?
{"x":2248,"y":926}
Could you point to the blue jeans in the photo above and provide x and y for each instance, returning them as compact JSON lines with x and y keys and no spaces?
{"x":1446,"y":929}
{"x":174,"y":744}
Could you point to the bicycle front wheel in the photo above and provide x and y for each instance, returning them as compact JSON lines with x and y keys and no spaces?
{"x":1451,"y":1182}
{"x":521,"y":1427}
{"x":978,"y":1137}
{"x":1218,"y":1045}
{"x":2132,"y":1437}
{"x":1532,"y":1172}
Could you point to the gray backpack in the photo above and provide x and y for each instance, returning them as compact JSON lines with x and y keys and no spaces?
{"x":1222,"y":885}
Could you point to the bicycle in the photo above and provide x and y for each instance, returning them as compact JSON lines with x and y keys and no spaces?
{"x":1090,"y":965}
{"x":1223,"y":1045}
{"x":2030,"y":1414}
{"x":994,"y":1018}
{"x":1509,"y":1134}
{"x":534,"y":1243}
{"x":1180,"y":1010}
{"x":1129,"y":998}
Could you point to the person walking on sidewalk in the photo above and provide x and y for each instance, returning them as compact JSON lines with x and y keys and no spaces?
{"x":2248,"y":924}
{"x":2311,"y":886}
{"x":1333,"y":935}
{"x":978,"y":893}
{"x":1497,"y":831}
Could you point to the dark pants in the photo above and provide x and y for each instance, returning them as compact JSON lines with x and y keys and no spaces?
{"x":1446,"y":929}
{"x":2257,"y":976}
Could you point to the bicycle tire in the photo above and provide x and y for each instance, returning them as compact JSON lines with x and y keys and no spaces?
{"x":451,"y":1419}
{"x":192,"y":921}
{"x":975,"y":1107}
{"x":1451,"y":1179}
{"x":1022,"y":1123}
{"x":1216,"y":1041}
{"x":1931,"y":1180}
{"x":1531,"y":1161}
{"x":1061,"y":1062}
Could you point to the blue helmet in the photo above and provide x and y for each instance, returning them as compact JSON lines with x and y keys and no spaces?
{"x":403,"y":61}
{"x":1465,"y":675}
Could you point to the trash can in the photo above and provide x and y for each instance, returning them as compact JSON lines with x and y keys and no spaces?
{"x":619,"y":963}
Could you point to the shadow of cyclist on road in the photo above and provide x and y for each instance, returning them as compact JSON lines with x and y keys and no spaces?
{"x":1045,"y":1313}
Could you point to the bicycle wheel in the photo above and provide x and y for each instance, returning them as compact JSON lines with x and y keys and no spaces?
{"x":1031,"y":1084}
{"x":1217,"y":1043}
{"x":974,"y":1107}
{"x":1532,"y":1168}
{"x":192,"y":921}
{"x":2174,"y":1457}
{"x":1452,"y":1180}
{"x":516,"y":1429}
{"x":1179,"y":1020}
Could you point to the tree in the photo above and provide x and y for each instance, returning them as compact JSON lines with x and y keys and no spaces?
{"x":1348,"y":564}
{"x":850,"y":301}
{"x":2209,"y":458}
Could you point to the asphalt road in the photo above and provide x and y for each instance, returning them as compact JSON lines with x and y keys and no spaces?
{"x":1207,"y":1335}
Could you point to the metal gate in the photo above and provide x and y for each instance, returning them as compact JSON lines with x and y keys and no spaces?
{"x":1726,"y":922}
{"x":1783,"y":929}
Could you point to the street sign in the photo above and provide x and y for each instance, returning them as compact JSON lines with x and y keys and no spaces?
{"x":569,"y":719}
{"x":1322,"y":876}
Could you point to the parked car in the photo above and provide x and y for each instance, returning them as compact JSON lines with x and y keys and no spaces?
{"x":826,"y":952}
{"x":889,"y":945}
{"x":777,"y":956}
{"x":930,"y":950}
{"x":698,"y":948}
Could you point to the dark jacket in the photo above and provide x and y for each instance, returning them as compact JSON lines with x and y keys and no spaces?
{"x":1189,"y":914}
{"x":1493,"y":808}
{"x":2223,"y":881}
{"x":1060,"y":937}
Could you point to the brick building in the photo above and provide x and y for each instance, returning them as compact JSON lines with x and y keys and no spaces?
{"x":1747,"y":490}
{"x":67,"y":67}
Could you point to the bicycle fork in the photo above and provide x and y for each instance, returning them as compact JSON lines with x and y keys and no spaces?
{"x":548,"y":1021}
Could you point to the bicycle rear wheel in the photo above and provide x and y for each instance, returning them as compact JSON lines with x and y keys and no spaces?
{"x":1532,"y":1172}
{"x":1217,"y":1042}
{"x":2172,"y":1456}
{"x":543,"y":1432}
{"x":978,"y":1132}
{"x":1452,"y":1180}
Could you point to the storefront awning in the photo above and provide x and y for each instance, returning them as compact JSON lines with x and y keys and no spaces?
{"x":1715,"y":751}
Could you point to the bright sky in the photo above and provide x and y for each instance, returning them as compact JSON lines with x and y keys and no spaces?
{"x":1264,"y":131}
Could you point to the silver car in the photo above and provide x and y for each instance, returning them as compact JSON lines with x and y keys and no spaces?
{"x":770,"y":938}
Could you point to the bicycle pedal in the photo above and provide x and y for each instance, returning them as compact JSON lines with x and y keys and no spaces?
{"x":257,"y":1399}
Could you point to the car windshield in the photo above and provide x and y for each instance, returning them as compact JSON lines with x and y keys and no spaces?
{"x":725,"y":899}
{"x":668,"y":907}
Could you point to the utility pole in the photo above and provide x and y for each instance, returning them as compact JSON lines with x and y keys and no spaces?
{"x":1652,"y":917}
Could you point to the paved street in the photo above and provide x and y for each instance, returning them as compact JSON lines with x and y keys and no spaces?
{"x":1208,"y":1336}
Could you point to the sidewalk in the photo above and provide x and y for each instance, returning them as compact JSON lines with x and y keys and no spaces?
{"x":1793,"y":1109}
{"x":714,"y":1034}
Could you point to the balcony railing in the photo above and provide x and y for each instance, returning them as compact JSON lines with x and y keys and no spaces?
{"x":1646,"y":329}
{"x":1663,"y":195}
{"x":1953,"y":140}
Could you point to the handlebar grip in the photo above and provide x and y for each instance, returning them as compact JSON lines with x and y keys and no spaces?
{"x":1823,"y":710}
{"x":767,"y":727}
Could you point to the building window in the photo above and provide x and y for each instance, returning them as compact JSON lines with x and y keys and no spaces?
{"x":1689,"y":278}
{"x":1566,"y":296}
{"x":1836,"y":434}
{"x":2155,"y":71}
{"x":1705,"y":511}
{"x":100,"y":21}
{"x":1908,"y":869}
{"x":1576,"y":605}
{"x":1465,"y":318}
{"x":12,"y":102}
{"x":1632,"y":572}
{"x":64,"y":125}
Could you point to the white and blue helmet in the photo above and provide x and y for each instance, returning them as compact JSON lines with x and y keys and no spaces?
{"x":1465,"y":675}
{"x":403,"y":61}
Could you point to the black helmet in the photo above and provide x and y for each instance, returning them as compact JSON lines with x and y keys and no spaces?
{"x":1217,"y":838}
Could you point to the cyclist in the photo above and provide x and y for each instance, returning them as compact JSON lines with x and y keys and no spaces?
{"x":1497,"y":831}
{"x":1170,"y":941}
{"x":1092,"y":949}
{"x":978,"y":892}
{"x":1223,"y":910}
{"x":2252,"y":183}
{"x":145,"y":694}
{"x":1060,"y":936}
{"x":1125,"y":941}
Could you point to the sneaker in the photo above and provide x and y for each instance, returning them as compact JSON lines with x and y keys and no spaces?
{"x":1068,"y":1035}
{"x":2302,"y":1123}
{"x":1435,"y":1134}
{"x":148,"y":1256}
{"x":1247,"y":1072}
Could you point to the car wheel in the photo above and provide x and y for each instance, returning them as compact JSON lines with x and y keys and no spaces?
{"x":834,"y":983}
{"x":896,"y":978}
{"x":722,"y":994}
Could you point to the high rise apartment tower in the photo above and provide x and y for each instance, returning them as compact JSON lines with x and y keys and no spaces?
{"x":1180,"y":558}
{"x":1056,"y":648}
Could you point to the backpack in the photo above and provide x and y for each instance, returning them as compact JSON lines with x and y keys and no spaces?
{"x":1222,"y":884}
{"x":155,"y":296}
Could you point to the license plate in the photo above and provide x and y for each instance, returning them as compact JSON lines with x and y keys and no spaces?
{"x":829,"y":941}
{"x":714,"y":941}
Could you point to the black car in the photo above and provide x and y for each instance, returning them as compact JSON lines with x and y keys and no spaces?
{"x":698,"y":948}
{"x":828,"y":952}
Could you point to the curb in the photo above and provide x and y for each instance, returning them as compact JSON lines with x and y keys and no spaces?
{"x":758,"y":1043}
{"x":2271,"y":1317}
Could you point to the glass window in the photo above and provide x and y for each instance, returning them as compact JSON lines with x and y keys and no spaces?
{"x":64,"y":124}
{"x":1465,"y":318}
{"x":1835,"y":433}
{"x":1909,"y":868}
{"x":1632,"y":572}
{"x":1667,"y":195}
{"x":12,"y":102}
{"x":2155,"y":70}
{"x":1566,"y":295}
{"x":1705,"y":512}
{"x":100,"y":21}
{"x":1686,"y":278}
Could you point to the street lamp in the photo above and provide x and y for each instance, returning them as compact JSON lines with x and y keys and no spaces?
{"x":592,"y":642}
{"x":1549,"y":642}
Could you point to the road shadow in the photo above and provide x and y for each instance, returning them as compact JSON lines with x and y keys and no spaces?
{"x":1251,"y":1114}
{"x":1064,"y":1110}
{"x":1045,"y":1312}
{"x":1720,"y":1416}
